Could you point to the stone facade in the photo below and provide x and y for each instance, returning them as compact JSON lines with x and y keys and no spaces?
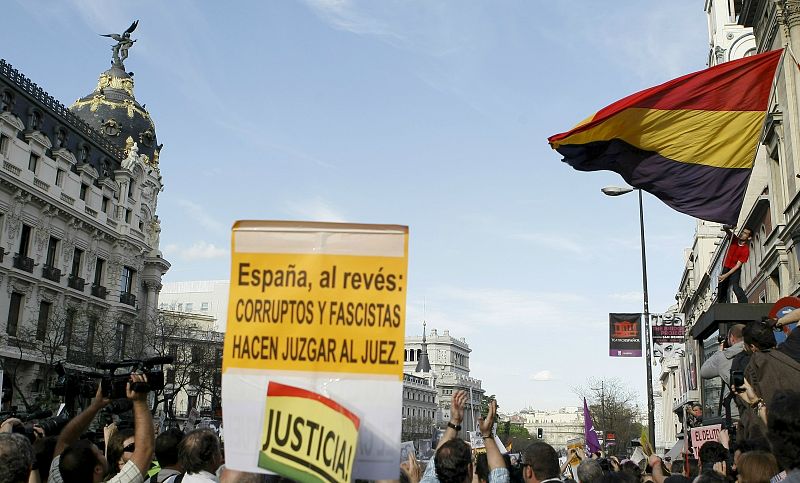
{"x":80,"y":266}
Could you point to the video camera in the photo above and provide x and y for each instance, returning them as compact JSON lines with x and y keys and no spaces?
{"x":113,"y":383}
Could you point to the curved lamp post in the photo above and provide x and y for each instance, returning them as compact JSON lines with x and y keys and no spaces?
{"x":617,"y":191}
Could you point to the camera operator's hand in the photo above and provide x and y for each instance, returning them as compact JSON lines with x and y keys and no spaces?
{"x":9,"y":424}
{"x":136,"y":395}
{"x":99,"y":401}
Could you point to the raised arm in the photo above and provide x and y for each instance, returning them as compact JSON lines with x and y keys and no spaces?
{"x":493,"y":456}
{"x":456,"y":416}
{"x":144,"y":436}
{"x":80,"y":423}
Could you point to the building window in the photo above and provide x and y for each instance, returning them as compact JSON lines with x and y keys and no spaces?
{"x":33,"y":162}
{"x":60,"y":177}
{"x":24,"y":240}
{"x":5,"y":141}
{"x":170,"y":376}
{"x":126,"y":280}
{"x":104,"y":204}
{"x":77,"y":258}
{"x":44,"y":316}
{"x":52,"y":251}
{"x":84,"y":189}
{"x":99,"y":265}
{"x":173,"y":351}
{"x":180,"y":307}
{"x":128,"y":216}
{"x":204,"y":307}
{"x":189,"y":307}
{"x":14,"y":309}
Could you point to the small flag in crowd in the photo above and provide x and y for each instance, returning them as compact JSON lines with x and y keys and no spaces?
{"x":690,"y":141}
{"x":592,"y":443}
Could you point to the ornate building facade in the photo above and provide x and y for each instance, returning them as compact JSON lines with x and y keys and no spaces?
{"x":80,"y":266}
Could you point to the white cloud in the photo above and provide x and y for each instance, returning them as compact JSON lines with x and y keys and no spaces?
{"x":315,"y":209}
{"x":542,"y":376}
{"x":345,"y":15}
{"x":200,"y":214}
{"x":200,"y":250}
{"x":552,"y":241}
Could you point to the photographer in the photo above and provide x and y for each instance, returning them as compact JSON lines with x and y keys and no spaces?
{"x":79,"y":460}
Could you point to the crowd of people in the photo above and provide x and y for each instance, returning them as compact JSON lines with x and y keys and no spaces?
{"x":760,"y":442}
{"x":127,"y":455}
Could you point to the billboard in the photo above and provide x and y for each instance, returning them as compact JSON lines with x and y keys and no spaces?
{"x":625,"y":335}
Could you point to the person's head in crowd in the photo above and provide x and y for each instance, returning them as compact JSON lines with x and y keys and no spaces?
{"x":43,"y":450}
{"x":617,"y":477}
{"x":539,"y":463}
{"x":783,"y":425}
{"x":453,"y":462}
{"x":677,"y":478}
{"x":694,"y":468}
{"x":632,"y":469}
{"x":81,"y":462}
{"x":758,"y":337}
{"x":16,"y":458}
{"x":482,"y":467}
{"x":697,"y":410}
{"x":120,"y":449}
{"x":200,"y":451}
{"x":710,"y":476}
{"x":735,"y":334}
{"x":676,"y":467}
{"x":756,"y":467}
{"x":589,"y":471}
{"x":754,"y":444}
{"x":711,"y":453}
{"x":167,"y":448}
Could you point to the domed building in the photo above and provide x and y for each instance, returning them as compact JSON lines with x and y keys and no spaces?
{"x":80,"y":266}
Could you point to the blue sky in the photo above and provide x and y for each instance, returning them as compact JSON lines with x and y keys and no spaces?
{"x":432,"y":114}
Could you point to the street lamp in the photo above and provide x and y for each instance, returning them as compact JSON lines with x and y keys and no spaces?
{"x":651,"y":423}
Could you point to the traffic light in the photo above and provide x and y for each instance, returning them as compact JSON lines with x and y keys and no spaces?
{"x":540,"y":433}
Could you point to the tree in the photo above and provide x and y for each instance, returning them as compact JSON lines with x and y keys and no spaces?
{"x":196,"y":353}
{"x":614,"y":409}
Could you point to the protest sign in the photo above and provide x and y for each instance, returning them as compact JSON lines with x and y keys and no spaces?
{"x":703,"y":434}
{"x":319,"y":308}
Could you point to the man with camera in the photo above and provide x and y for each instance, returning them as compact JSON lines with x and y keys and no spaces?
{"x":79,"y":460}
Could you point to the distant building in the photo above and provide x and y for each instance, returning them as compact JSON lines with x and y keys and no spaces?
{"x":202,"y":297}
{"x":557,"y":427}
{"x":444,"y":360}
{"x":419,"y":408}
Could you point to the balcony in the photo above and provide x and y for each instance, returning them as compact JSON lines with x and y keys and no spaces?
{"x":99,"y":291}
{"x":22,"y":262}
{"x":76,"y":283}
{"x":127,"y":299}
{"x":51,"y":273}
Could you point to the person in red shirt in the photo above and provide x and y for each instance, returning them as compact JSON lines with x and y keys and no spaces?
{"x":738,"y":253}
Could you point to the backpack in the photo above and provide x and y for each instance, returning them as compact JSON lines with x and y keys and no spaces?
{"x":171,"y":479}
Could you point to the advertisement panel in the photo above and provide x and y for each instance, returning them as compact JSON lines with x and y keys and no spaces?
{"x":625,"y":335}
{"x":314,"y":338}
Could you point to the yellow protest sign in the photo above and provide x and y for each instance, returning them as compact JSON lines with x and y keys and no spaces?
{"x":307,"y":437}
{"x":319,"y":307}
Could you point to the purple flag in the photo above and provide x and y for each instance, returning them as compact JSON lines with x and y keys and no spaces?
{"x":592,"y":443}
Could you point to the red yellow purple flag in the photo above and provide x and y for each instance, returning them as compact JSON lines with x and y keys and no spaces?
{"x":691,"y":141}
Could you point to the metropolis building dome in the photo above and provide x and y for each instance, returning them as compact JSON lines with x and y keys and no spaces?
{"x":113,"y":109}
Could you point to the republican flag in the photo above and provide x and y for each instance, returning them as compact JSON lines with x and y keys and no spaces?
{"x":592,"y":443}
{"x":690,"y":141}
